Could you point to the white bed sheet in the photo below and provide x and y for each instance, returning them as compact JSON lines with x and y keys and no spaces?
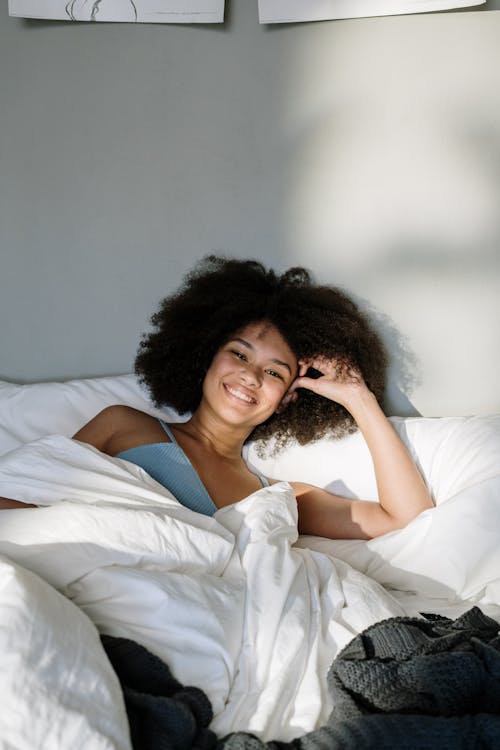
{"x":237,"y":604}
{"x":228,"y":602}
{"x":58,"y":688}
{"x":449,"y":557}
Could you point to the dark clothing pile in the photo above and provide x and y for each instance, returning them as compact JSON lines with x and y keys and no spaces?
{"x":405,"y":682}
{"x":162,"y":713}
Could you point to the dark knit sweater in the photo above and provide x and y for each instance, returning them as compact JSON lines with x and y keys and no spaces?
{"x":402,"y":683}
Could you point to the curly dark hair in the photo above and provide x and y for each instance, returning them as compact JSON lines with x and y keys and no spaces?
{"x":220,"y":297}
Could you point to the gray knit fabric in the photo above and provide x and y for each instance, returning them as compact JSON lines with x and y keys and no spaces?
{"x":403,"y":684}
{"x":437,"y":667}
{"x":410,"y":683}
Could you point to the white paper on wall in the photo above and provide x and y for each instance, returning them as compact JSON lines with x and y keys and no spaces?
{"x":289,"y":11}
{"x":129,"y":11}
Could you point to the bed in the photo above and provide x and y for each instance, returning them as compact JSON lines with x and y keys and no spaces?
{"x":237,"y":605}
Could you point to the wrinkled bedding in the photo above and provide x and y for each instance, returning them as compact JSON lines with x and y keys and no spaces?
{"x":237,"y":604}
{"x":449,"y":557}
{"x":425,"y":682}
{"x":227,"y":602}
{"x":410,"y":682}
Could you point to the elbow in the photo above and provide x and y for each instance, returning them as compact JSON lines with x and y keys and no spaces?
{"x":403,"y":519}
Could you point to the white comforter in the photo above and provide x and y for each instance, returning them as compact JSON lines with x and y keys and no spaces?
{"x":448,"y":558}
{"x":228,"y":602}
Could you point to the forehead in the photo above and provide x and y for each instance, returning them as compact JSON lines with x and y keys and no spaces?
{"x":264,"y":335}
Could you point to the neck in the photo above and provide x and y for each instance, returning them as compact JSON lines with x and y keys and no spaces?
{"x":224,"y":439}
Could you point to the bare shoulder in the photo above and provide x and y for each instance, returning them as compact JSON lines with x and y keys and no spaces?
{"x":114,"y":417}
{"x":120,"y":415}
{"x":112,"y":425}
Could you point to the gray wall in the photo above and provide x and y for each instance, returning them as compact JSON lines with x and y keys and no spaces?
{"x":368,"y":150}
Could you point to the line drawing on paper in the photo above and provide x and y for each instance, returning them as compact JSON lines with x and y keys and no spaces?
{"x":128,"y":11}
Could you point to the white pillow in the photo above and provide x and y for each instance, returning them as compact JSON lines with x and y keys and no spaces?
{"x":58,"y":688}
{"x":31,"y":411}
{"x":453,"y":453}
{"x":28,"y":412}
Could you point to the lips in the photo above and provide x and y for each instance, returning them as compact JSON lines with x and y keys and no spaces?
{"x":240,"y":395}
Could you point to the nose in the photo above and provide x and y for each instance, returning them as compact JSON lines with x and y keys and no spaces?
{"x":251,"y":375}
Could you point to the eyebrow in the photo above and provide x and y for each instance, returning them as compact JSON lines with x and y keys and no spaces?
{"x":273,"y":359}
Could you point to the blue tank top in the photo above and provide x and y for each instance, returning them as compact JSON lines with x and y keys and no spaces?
{"x":169,"y":465}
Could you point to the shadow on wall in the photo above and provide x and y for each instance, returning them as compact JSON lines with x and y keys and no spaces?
{"x":455,"y":283}
{"x":449,"y":308}
{"x":394,"y":188}
{"x":404,"y":373}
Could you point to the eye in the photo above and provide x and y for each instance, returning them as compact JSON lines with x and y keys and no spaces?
{"x":274,"y":374}
{"x":239,"y":355}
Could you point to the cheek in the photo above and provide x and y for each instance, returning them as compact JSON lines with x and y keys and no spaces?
{"x":222,"y":361}
{"x":219,"y":363}
{"x":277,"y":391}
{"x":221,"y":367}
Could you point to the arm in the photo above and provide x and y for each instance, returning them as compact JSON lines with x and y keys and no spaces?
{"x":401,"y":489}
{"x":99,"y":432}
{"x":7,"y":504}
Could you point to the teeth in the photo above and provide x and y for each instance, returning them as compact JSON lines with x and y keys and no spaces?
{"x":240,"y":395}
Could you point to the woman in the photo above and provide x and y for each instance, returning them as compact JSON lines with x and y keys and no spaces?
{"x":252,"y":354}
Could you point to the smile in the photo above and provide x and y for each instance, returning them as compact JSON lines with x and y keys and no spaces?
{"x":240,"y":395}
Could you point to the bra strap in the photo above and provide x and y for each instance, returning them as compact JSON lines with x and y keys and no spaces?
{"x":263,"y":479}
{"x":168,"y":430}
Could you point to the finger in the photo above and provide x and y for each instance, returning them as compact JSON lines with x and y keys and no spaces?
{"x":318,"y":363}
{"x":321,"y":362}
{"x":325,"y":364}
{"x":303,"y":367}
{"x":303,"y":382}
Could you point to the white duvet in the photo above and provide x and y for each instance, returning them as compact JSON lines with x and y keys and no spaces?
{"x":448,"y":558}
{"x":227,"y":602}
{"x":236,"y":604}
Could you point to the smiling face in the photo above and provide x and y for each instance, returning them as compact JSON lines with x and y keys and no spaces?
{"x":249,"y":375}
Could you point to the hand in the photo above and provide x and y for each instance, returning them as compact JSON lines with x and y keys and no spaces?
{"x":337,"y":382}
